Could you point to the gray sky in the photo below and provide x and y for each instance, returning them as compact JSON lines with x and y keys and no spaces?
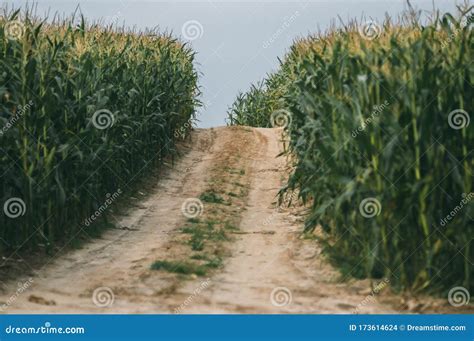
{"x":237,"y":42}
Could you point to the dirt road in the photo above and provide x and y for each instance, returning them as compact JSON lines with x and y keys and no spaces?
{"x":235,"y":251}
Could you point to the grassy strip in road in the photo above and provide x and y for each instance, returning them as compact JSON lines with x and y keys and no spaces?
{"x":202,"y":243}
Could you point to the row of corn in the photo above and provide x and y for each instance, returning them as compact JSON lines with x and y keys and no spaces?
{"x":84,"y":112}
{"x":378,"y":117}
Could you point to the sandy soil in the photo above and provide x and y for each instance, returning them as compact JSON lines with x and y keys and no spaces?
{"x":267,"y":266}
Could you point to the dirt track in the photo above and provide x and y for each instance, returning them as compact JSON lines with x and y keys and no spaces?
{"x":267,"y":267}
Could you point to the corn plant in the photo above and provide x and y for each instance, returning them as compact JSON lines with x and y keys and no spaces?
{"x":378,"y":154}
{"x":88,"y":111}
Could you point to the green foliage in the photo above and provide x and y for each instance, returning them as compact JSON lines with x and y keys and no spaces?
{"x":54,"y":157}
{"x":185,"y":268}
{"x":211,"y":197}
{"x":206,"y":263}
{"x":370,"y":120}
{"x":254,"y":107}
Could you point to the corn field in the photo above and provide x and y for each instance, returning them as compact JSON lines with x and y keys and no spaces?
{"x":85,"y":111}
{"x":382,"y":146}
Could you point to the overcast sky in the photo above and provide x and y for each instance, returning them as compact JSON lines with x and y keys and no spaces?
{"x":237,"y":42}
